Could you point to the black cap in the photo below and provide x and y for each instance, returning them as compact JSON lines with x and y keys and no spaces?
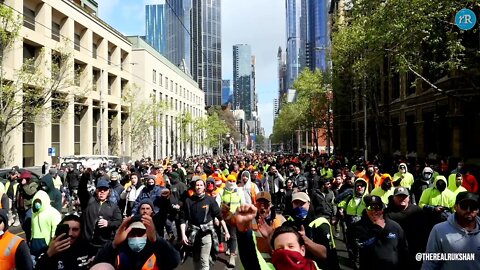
{"x":371,"y":200}
{"x":467,"y":196}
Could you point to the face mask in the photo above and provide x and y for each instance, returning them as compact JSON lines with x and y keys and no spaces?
{"x":427,"y":176}
{"x":230,"y":185}
{"x":37,"y":206}
{"x":386,"y":185}
{"x":44,"y":188}
{"x":300,"y":213}
{"x":136,"y":244}
{"x":218,"y":183}
{"x":441,"y":186}
{"x":291,"y":260}
{"x":402,"y":169}
{"x":1,"y":233}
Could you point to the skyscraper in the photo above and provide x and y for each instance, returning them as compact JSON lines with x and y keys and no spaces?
{"x":275,"y":109}
{"x":296,"y":38}
{"x":155,"y":27}
{"x":168,"y":31}
{"x":177,"y":36}
{"x":317,"y":35}
{"x":243,"y":95}
{"x":226,"y":92}
{"x":207,"y":48}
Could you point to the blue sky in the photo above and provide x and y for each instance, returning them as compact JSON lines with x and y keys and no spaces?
{"x":260,"y":23}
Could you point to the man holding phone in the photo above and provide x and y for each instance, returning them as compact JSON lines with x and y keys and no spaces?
{"x":68,"y":249}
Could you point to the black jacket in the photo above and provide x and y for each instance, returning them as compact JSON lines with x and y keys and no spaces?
{"x":92,"y":209}
{"x":200,"y":210}
{"x":416,"y":234}
{"x":167,"y":257}
{"x":74,"y":258}
{"x":380,"y":248}
{"x":301,"y":182}
{"x":73,"y":178}
{"x":323,"y":203}
{"x":55,"y":196}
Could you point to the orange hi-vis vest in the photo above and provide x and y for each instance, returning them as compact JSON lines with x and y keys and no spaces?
{"x":8,"y":248}
{"x":150,"y":264}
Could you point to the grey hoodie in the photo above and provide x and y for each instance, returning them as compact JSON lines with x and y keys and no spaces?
{"x":449,"y":237}
{"x":248,"y":187}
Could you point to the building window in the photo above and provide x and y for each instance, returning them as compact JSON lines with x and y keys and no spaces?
{"x":76,"y":42}
{"x":55,"y":31}
{"x":176,"y":88}
{"x":29,"y":18}
{"x":154,"y":76}
{"x":95,"y":134}
{"x":166,"y":83}
{"x":76,"y":136}
{"x":109,"y":57}
{"x":94,"y":50}
{"x":160,"y":79}
{"x":171,"y":85}
{"x":28,"y":144}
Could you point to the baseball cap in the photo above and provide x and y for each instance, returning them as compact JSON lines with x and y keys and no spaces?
{"x":196,"y":178}
{"x":102,"y":184}
{"x":301,"y":196}
{"x":264,"y":195}
{"x":137,"y":225}
{"x":467,"y":196}
{"x":371,"y":200}
{"x":400,"y":191}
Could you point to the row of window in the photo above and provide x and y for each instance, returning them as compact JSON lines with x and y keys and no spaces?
{"x":179,"y":90}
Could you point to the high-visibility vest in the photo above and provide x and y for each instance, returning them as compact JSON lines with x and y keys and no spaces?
{"x":150,"y":264}
{"x":318,"y":222}
{"x":8,"y":247}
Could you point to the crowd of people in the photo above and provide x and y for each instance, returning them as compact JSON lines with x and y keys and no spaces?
{"x":270,"y":211}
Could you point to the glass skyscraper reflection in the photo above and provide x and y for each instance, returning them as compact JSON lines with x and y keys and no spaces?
{"x":154,"y":27}
{"x":317,"y":35}
{"x":243,"y":95}
{"x":296,"y":38}
{"x":207,"y":48}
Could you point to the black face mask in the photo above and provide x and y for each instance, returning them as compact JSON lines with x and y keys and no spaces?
{"x":386,"y":185}
{"x":441,"y":186}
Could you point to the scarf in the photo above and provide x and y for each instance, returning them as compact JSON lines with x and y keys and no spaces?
{"x":284,"y":259}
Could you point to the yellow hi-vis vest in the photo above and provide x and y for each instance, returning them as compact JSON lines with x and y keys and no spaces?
{"x":318,"y":222}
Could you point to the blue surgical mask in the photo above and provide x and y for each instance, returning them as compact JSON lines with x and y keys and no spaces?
{"x":136,"y":244}
{"x":37,"y":206}
{"x":300,"y":213}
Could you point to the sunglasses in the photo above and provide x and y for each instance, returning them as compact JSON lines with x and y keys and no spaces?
{"x":102,"y":189}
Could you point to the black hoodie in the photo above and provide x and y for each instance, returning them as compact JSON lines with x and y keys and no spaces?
{"x":55,"y":196}
{"x":380,"y":248}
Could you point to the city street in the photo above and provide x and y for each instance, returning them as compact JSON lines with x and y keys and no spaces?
{"x":221,"y":262}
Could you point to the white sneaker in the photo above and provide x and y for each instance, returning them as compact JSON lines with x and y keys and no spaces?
{"x":227,"y":252}
{"x":16,"y":223}
{"x":231,"y":260}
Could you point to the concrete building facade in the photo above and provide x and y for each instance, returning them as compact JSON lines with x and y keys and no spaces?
{"x":94,"y":117}
{"x":159,"y":80}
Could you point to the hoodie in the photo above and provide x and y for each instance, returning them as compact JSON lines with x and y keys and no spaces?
{"x":354,"y":205}
{"x":44,"y":223}
{"x":449,"y":237}
{"x":55,"y":196}
{"x":382,"y":193}
{"x":249,"y":190}
{"x":406,"y":179}
{"x":432,"y":197}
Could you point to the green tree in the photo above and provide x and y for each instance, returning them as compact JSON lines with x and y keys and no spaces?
{"x":29,"y":94}
{"x":145,"y":116}
{"x":211,"y":130}
{"x":186,"y":121}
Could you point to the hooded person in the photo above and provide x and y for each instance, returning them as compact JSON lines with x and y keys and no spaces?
{"x":438,"y":200}
{"x":423,"y":182}
{"x":18,"y":256}
{"x":248,"y":189}
{"x":4,"y":203}
{"x":353,"y":206}
{"x":455,"y":182}
{"x":150,"y":191}
{"x":405,"y":178}
{"x":385,"y":190}
{"x":47,"y":185}
{"x":45,"y":219}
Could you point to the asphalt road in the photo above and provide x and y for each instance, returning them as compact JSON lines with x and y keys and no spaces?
{"x":221,"y":261}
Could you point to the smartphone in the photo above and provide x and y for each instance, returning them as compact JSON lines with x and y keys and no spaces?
{"x":62,"y":228}
{"x":137,"y":217}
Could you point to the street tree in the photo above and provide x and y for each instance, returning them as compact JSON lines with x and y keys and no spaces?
{"x":145,"y":116}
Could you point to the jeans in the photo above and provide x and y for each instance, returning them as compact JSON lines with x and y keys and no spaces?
{"x":201,"y":252}
{"x":232,"y":242}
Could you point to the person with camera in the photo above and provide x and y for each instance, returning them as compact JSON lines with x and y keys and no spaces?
{"x":137,"y":246}
{"x":100,"y":217}
{"x":68,"y":249}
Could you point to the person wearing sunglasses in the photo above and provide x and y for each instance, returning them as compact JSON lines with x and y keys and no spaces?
{"x":380,"y":242}
{"x":459,"y":234}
